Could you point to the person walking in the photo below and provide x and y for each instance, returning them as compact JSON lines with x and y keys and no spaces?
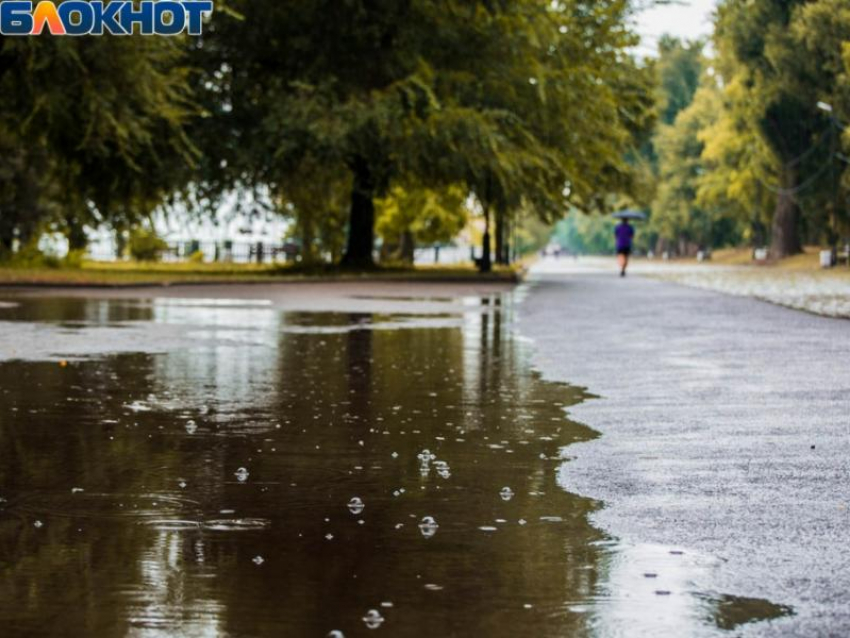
{"x":624,"y":234}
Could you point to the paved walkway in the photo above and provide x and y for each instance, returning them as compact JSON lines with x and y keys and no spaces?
{"x":725,"y":426}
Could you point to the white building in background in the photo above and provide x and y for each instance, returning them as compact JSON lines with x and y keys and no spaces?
{"x":240,"y":219}
{"x":246,"y":224}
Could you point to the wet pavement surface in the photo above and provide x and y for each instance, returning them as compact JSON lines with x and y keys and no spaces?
{"x":267,"y":461}
{"x":823,"y":292}
{"x":724,"y":431}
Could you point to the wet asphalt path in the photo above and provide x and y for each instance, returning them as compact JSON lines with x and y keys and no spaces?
{"x":725,"y":431}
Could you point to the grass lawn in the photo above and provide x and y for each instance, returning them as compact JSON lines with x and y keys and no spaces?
{"x":137,"y":273}
{"x":806,"y":262}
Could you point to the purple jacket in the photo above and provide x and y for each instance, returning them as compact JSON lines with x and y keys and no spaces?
{"x":624,"y":234}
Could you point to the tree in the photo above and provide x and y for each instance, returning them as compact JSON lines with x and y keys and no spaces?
{"x":575,"y":101}
{"x":671,"y":81}
{"x":414,"y":215}
{"x":523,"y":100}
{"x":777,"y":58}
{"x":682,"y":220}
{"x":678,"y":70}
{"x":320,"y":81}
{"x":821,"y":29}
{"x":585,"y":234}
{"x":680,"y":66}
{"x":733,"y":160}
{"x":97,"y":130}
{"x":314,"y":197}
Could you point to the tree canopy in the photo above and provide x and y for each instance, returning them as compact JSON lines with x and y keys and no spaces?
{"x":92,"y":130}
{"x":777,"y":60}
{"x":524,"y":100}
{"x":384,"y":119}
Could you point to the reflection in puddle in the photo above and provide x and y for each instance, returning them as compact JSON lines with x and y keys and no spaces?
{"x":234,"y":470}
{"x":649,"y":590}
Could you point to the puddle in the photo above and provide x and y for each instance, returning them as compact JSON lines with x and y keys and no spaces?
{"x":650,"y":590}
{"x":230,"y":469}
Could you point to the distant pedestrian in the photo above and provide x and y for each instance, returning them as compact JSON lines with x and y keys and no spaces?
{"x":624,"y":233}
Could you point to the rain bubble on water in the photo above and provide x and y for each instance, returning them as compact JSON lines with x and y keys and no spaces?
{"x":241,"y":474}
{"x":506,"y":493}
{"x":38,"y":524}
{"x":443,"y":469}
{"x":425,"y":456}
{"x":428,"y":527}
{"x":258,"y":560}
{"x":77,"y":490}
{"x":191,"y":427}
{"x":336,"y":633}
{"x":373,"y":619}
{"x":356,"y":506}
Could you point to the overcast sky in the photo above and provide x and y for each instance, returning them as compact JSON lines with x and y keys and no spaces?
{"x":688,"y":19}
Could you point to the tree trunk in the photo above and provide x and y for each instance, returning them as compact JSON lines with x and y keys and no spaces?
{"x":308,"y":242}
{"x":500,"y":234}
{"x":361,"y":222}
{"x":513,"y":252}
{"x":120,"y":234}
{"x":785,"y":232}
{"x":7,"y":236}
{"x":77,"y":239}
{"x":407,"y":247}
{"x":486,"y":263}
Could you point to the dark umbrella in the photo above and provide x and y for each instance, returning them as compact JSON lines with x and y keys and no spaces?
{"x":629,"y":214}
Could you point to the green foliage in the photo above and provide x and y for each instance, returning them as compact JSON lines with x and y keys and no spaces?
{"x":514,"y":100}
{"x":416,"y":215}
{"x":532,"y":106}
{"x":777,"y":59}
{"x":145,"y":245}
{"x":586,"y":234}
{"x":315,"y":196}
{"x":741,"y":148}
{"x":29,"y":255}
{"x":532,"y":234}
{"x":679,"y":67}
{"x":74,"y":259}
{"x":684,"y":221}
{"x":664,"y":169}
{"x":91,"y":131}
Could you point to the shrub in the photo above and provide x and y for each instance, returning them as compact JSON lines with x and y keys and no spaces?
{"x":30,"y":256}
{"x":74,"y":258}
{"x":145,"y":245}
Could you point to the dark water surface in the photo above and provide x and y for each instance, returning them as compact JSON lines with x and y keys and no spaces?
{"x":229,"y":469}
